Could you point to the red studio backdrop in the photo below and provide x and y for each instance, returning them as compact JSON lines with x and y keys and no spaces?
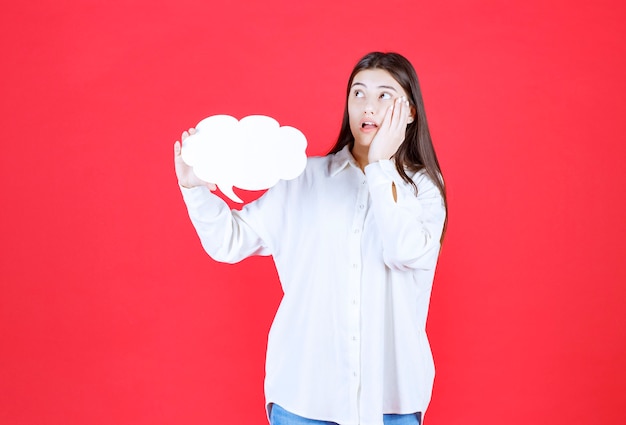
{"x":110,"y":311}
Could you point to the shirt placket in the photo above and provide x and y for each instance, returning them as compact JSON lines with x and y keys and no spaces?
{"x":354,"y":309}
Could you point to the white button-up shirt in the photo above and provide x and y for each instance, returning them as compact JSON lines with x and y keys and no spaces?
{"x":348,"y":342}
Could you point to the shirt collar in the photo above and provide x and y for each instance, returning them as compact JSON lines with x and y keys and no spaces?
{"x":340,"y":160}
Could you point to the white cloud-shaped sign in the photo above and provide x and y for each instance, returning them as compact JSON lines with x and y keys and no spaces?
{"x":252,"y":154}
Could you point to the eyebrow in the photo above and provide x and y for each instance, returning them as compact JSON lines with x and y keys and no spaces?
{"x":380,"y":87}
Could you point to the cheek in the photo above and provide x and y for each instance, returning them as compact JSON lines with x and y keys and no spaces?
{"x":351,"y":108}
{"x":355,"y":112}
{"x":354,"y":122}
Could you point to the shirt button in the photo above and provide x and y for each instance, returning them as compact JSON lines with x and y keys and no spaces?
{"x":354,"y":338}
{"x":356,"y":230}
{"x":355,"y":265}
{"x":361,"y":206}
{"x":354,"y":374}
{"x":364,"y":181}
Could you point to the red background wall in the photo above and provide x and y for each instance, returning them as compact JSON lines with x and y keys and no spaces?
{"x":110,"y":312}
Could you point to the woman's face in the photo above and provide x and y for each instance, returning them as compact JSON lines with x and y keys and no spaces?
{"x":371,"y":94}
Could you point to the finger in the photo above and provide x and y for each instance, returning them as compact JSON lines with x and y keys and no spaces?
{"x":177,"y":148}
{"x":192,"y":130}
{"x":408,"y":119}
{"x":184,"y":135}
{"x":398,"y":112}
{"x":402,"y":114}
{"x":387,"y":119}
{"x":406,"y":114}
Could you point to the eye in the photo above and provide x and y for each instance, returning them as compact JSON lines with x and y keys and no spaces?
{"x":385,"y":96}
{"x":358,"y":93}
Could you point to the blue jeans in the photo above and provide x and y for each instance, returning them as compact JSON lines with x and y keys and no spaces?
{"x":279,"y":416}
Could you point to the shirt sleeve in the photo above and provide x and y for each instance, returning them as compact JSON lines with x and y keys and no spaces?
{"x":410,"y":226}
{"x":226,"y":235}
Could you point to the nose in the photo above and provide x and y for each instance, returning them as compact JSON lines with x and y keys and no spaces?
{"x":369,"y":108}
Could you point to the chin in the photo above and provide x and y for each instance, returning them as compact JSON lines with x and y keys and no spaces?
{"x":364,"y":142}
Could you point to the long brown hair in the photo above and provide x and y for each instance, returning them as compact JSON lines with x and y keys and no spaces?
{"x":416,"y":152}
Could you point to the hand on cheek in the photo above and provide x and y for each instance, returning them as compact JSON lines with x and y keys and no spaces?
{"x":392,"y":131}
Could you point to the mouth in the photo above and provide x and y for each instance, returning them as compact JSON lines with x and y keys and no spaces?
{"x":367,"y":125}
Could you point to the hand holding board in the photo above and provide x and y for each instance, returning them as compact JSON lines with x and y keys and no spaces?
{"x":252,"y":154}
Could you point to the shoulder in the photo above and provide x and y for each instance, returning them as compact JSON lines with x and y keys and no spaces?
{"x":425,"y":184}
{"x":421,"y":177}
{"x":317,"y":161}
{"x":321,"y":167}
{"x":318,"y":166}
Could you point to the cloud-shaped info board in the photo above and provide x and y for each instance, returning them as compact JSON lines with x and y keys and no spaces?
{"x":252,"y":154}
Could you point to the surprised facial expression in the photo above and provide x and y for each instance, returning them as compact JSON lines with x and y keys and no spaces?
{"x":372,"y":92}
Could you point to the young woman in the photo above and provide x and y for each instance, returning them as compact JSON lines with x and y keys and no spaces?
{"x":355,"y":240}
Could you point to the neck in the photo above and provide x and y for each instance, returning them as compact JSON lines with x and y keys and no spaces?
{"x":360,"y":154}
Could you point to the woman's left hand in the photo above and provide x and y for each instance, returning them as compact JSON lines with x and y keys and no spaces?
{"x":392,"y":131}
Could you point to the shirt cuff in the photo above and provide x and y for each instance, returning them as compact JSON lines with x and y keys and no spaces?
{"x":380,"y":172}
{"x":201,"y":197}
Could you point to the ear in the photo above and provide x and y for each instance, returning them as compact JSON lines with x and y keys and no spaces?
{"x":411,"y":115}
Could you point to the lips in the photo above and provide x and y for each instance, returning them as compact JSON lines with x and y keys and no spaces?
{"x":368,"y":124}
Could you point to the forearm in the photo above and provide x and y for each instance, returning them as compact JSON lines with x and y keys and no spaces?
{"x":410,"y":226}
{"x":224,"y":235}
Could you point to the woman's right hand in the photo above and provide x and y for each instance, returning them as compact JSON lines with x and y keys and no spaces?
{"x":186,"y":177}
